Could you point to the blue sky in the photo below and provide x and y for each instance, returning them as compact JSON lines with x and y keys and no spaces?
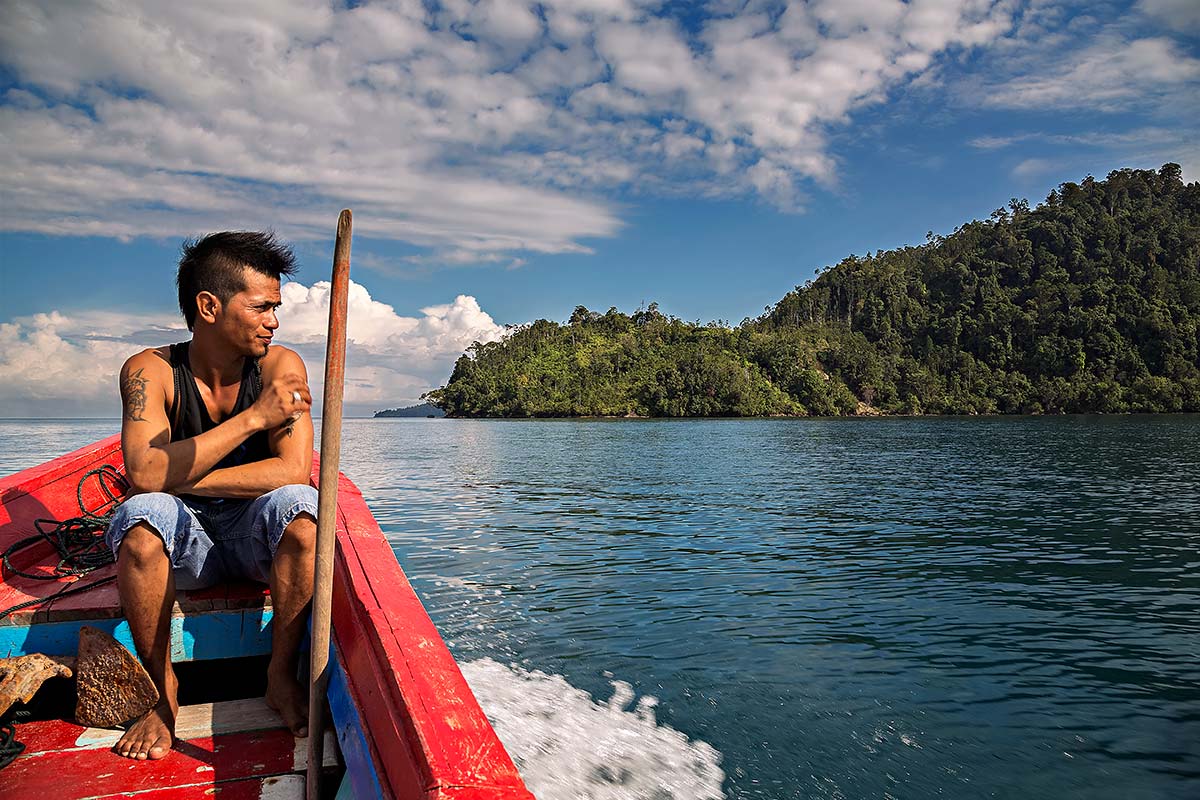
{"x":507,"y":161}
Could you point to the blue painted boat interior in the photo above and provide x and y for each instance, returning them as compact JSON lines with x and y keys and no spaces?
{"x":361,"y":780}
{"x":199,"y":637}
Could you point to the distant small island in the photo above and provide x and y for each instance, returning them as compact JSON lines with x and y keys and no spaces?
{"x":423,"y":410}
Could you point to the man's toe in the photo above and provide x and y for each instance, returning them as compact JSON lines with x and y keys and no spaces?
{"x":139,"y":747}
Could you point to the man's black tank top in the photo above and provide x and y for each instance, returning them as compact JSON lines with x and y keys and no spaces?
{"x":189,"y":417}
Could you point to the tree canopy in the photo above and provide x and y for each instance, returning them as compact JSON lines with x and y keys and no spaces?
{"x":1089,"y":302}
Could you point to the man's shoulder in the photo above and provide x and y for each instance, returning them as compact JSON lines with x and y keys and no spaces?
{"x":146,"y":385}
{"x":151,"y":361}
{"x":280,"y":360}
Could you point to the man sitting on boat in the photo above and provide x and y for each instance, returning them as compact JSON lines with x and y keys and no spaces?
{"x":217,"y":442}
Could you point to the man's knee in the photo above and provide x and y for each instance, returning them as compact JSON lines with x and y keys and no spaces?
{"x":138,"y":526}
{"x":141,"y":546}
{"x":301,"y":532}
{"x":291,"y":514}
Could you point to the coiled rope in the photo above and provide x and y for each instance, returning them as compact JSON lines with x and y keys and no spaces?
{"x":79,"y":541}
{"x":10,"y":748}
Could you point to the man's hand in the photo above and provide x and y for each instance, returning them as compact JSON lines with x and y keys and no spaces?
{"x":283,"y":401}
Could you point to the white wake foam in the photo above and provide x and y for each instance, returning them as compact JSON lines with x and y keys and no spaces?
{"x":571,"y":747}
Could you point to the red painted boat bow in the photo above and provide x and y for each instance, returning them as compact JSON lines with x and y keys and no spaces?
{"x":427,"y":735}
{"x":429,"y":730}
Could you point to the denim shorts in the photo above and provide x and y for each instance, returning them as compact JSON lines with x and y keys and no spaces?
{"x":212,"y":541}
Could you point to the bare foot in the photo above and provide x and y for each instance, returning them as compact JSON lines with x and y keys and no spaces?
{"x":151,"y":736}
{"x":290,"y":701}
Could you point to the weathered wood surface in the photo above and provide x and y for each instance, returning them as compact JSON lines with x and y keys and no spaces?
{"x":327,"y":487}
{"x":199,"y":721}
{"x":194,"y":637}
{"x":279,"y":787}
{"x":48,"y":491}
{"x":358,"y":755}
{"x":218,"y":744}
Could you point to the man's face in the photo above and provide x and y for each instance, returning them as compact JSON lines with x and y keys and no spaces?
{"x":248,"y":320}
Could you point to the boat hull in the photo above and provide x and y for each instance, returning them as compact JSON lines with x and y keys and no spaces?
{"x":406,"y":721}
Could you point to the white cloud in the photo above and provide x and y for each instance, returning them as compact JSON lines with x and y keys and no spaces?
{"x":482,"y":131}
{"x":994,"y":142}
{"x":491,"y":127}
{"x":1034,"y":166}
{"x":390,"y":359}
{"x":1180,"y":15}
{"x":167,"y":120}
{"x":1110,"y":74}
{"x":1131,"y":91}
{"x":1138,"y":137}
{"x":53,"y":364}
{"x":1096,"y":151}
{"x":509,"y":24}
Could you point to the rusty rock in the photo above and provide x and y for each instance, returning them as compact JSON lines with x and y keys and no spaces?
{"x":22,"y":676}
{"x":113,"y":685}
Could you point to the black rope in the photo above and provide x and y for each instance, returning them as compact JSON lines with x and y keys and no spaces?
{"x":10,"y":748}
{"x":66,"y":591}
{"x":79,"y":541}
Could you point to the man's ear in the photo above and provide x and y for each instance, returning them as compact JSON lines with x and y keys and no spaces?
{"x":208,"y":305}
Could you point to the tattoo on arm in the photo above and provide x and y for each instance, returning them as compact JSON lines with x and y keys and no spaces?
{"x":288,"y":428}
{"x":133,"y":389}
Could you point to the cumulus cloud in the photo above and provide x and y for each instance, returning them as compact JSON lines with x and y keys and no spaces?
{"x":476,"y":129}
{"x":168,"y":119}
{"x":483,"y":131}
{"x":391,"y":359}
{"x":60,"y":365}
{"x":55,"y":365}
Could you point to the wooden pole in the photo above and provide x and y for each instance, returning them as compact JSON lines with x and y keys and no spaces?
{"x":331,"y":446}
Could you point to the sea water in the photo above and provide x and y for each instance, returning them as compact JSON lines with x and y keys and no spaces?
{"x":965,"y":608}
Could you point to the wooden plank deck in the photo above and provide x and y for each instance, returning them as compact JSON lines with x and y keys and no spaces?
{"x":240,"y":747}
{"x":49,"y":492}
{"x":280,"y":787}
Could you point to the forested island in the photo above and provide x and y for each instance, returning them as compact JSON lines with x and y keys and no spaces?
{"x":1089,"y":302}
{"x":423,"y":410}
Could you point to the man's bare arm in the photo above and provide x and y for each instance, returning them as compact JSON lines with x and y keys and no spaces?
{"x":133,"y":395}
{"x":291,"y":441}
{"x":153,"y":463}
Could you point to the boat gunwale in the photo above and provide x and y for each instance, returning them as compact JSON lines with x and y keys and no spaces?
{"x":431,"y":721}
